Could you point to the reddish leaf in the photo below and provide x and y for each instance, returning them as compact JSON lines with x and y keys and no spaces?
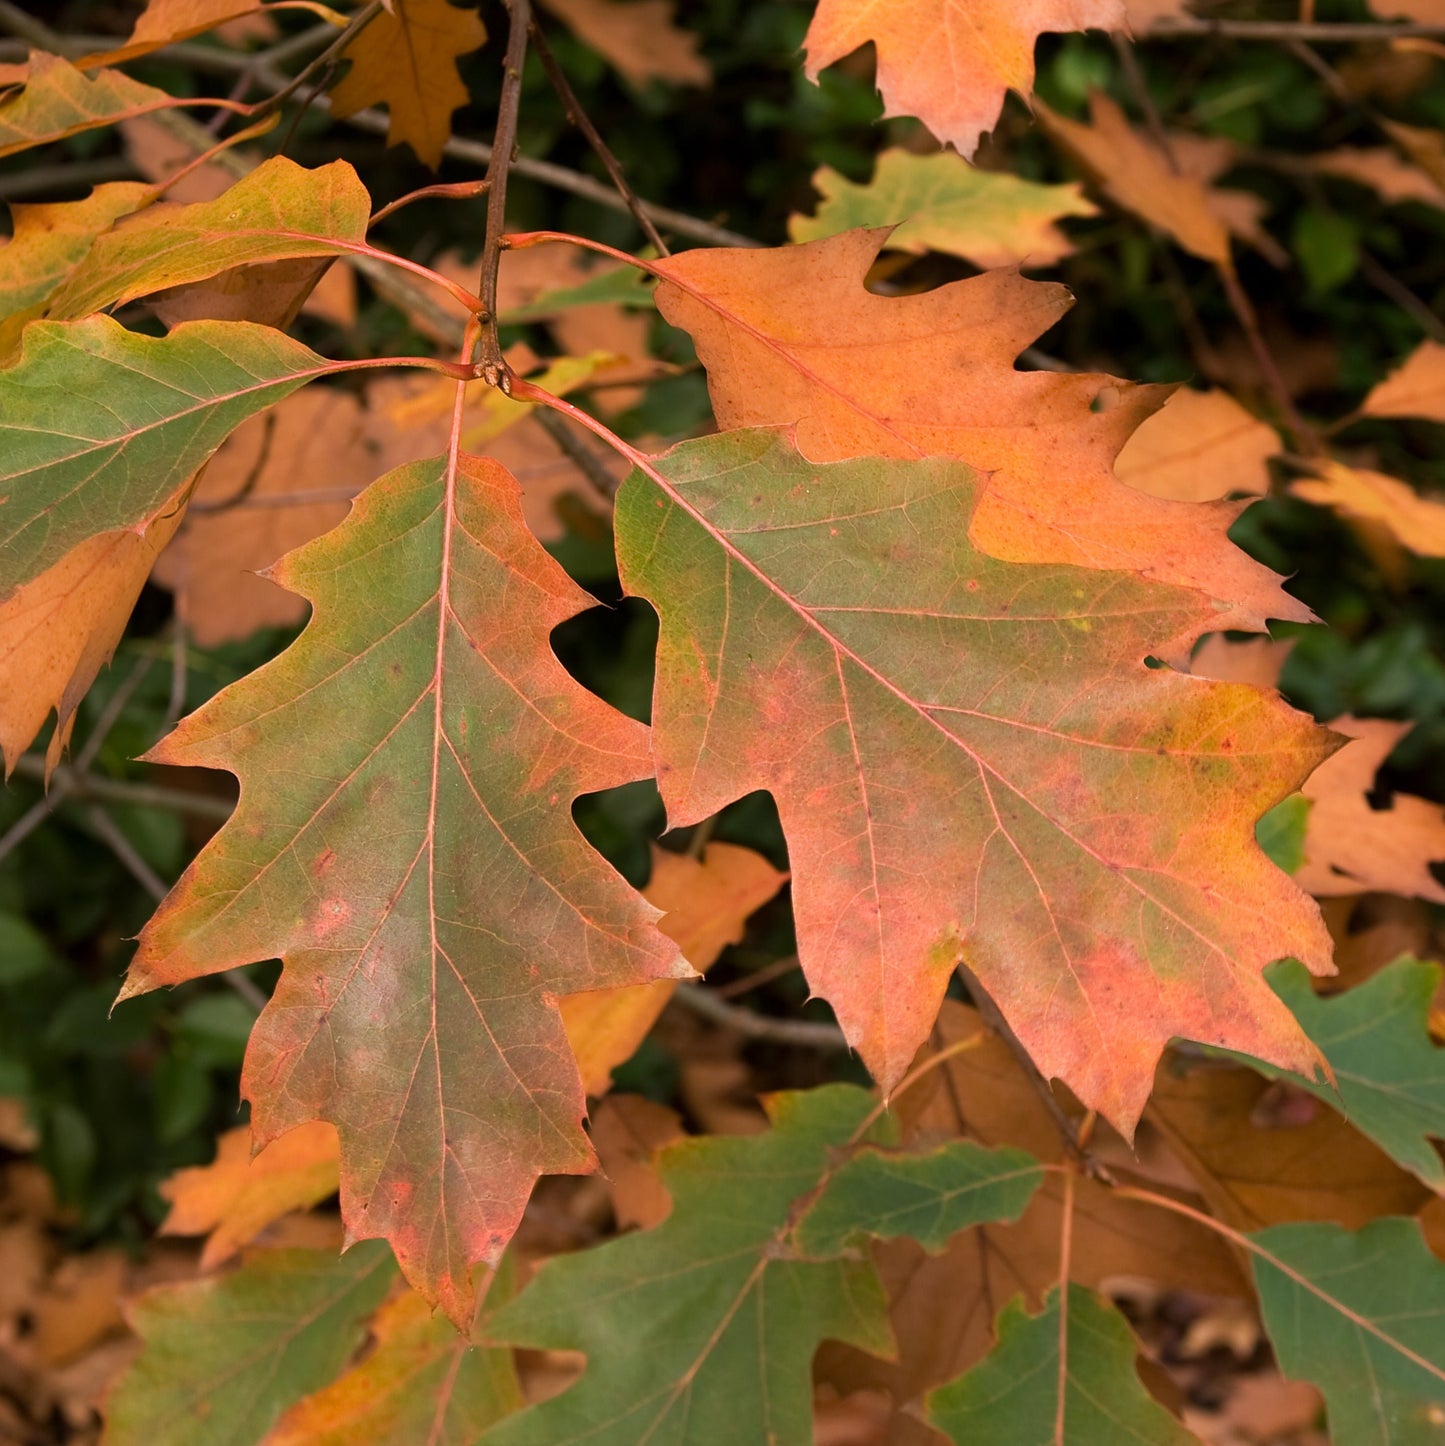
{"x":972,"y":762}
{"x":416,"y":867}
{"x":792,"y":337}
{"x":946,"y":62}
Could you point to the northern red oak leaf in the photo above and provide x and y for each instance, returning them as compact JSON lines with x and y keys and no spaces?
{"x":973,"y":762}
{"x":792,"y":337}
{"x":403,"y":842}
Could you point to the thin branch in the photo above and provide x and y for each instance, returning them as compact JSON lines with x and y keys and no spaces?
{"x":593,"y":136}
{"x":1322,"y":32}
{"x":65,"y":782}
{"x":318,"y":63}
{"x":38,"y":180}
{"x":491,"y":365}
{"x":110,"y":835}
{"x":766,"y":975}
{"x":592,"y":467}
{"x":804,"y":1032}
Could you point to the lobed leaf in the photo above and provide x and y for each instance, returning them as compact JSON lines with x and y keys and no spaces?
{"x":1362,"y":1316}
{"x":1066,"y":1378}
{"x":279,"y":212}
{"x":972,"y":762}
{"x":416,"y":868}
{"x":792,"y":337}
{"x":222,"y":1358}
{"x":702,"y":1329}
{"x":941,"y":203}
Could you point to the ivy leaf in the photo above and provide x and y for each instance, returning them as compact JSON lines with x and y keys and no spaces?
{"x":792,"y":337}
{"x":58,"y":101}
{"x":944,"y":204}
{"x":1361,"y":1315}
{"x":1085,"y":1357}
{"x":279,"y":212}
{"x":222,"y":1358}
{"x":406,"y":60}
{"x":416,"y":867}
{"x":945,"y":63}
{"x":1389,"y":1074}
{"x":972,"y":762}
{"x":703,"y":1328}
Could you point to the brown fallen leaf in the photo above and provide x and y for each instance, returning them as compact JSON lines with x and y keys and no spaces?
{"x":1391,"y":178}
{"x":1416,"y":388}
{"x":1352,"y":847}
{"x":79,"y":1305}
{"x":1139,"y":178}
{"x":639,"y":38}
{"x":238,"y":1195}
{"x":1259,"y":1164}
{"x":1197,"y":447}
{"x":708,"y":902}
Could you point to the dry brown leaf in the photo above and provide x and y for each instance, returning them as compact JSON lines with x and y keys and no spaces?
{"x":79,"y":1305}
{"x":1352,"y":848}
{"x":627,"y":1131}
{"x":1264,"y":1155}
{"x":943,"y":1307}
{"x":1374,"y":931}
{"x":1416,"y":388}
{"x":1393,"y":179}
{"x":1425,"y":147}
{"x":1379,"y":505}
{"x":1136,"y":176}
{"x":640,"y":38}
{"x":1197,"y":447}
{"x":1257,"y":661}
{"x":214,"y":565}
{"x":407,"y":61}
{"x":708,"y":903}
{"x":158,"y":153}
{"x":237,"y":1196}
{"x":60,"y":628}
{"x":24,"y":1262}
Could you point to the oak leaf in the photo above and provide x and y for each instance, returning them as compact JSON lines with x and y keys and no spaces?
{"x":100,"y":432}
{"x":46,"y":243}
{"x":222,"y":1358}
{"x":1136,"y":175}
{"x":641,"y":38}
{"x":417,"y":872}
{"x":1416,"y":388}
{"x":792,"y":337}
{"x":234,"y":1198}
{"x":279,"y":212}
{"x":707,"y":903}
{"x":1197,"y":447}
{"x":163,"y":22}
{"x":1087,"y":822}
{"x":406,"y":60}
{"x":422,"y":1381}
{"x":1380,"y":505}
{"x":943,"y":204}
{"x":1351,"y":846}
{"x":949,"y":62}
{"x":58,"y":101}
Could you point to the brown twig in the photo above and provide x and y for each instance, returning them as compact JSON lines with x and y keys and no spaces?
{"x":1321,"y":32}
{"x":115,"y":790}
{"x":766,"y":975}
{"x":579,"y":118}
{"x":318,"y":64}
{"x":491,"y":365}
{"x":808,"y":1033}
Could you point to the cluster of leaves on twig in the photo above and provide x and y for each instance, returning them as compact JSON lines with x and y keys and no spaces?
{"x":939,"y":595}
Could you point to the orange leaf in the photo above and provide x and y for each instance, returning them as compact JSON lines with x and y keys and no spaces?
{"x":59,"y":629}
{"x":641,"y":38}
{"x":236,"y":1196}
{"x":947,"y":62}
{"x":793,"y":337}
{"x":1384,"y":504}
{"x":708,"y":903}
{"x":406,"y":60}
{"x":166,"y":21}
{"x":1197,"y":447}
{"x":1139,"y":178}
{"x":1414,"y":389}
